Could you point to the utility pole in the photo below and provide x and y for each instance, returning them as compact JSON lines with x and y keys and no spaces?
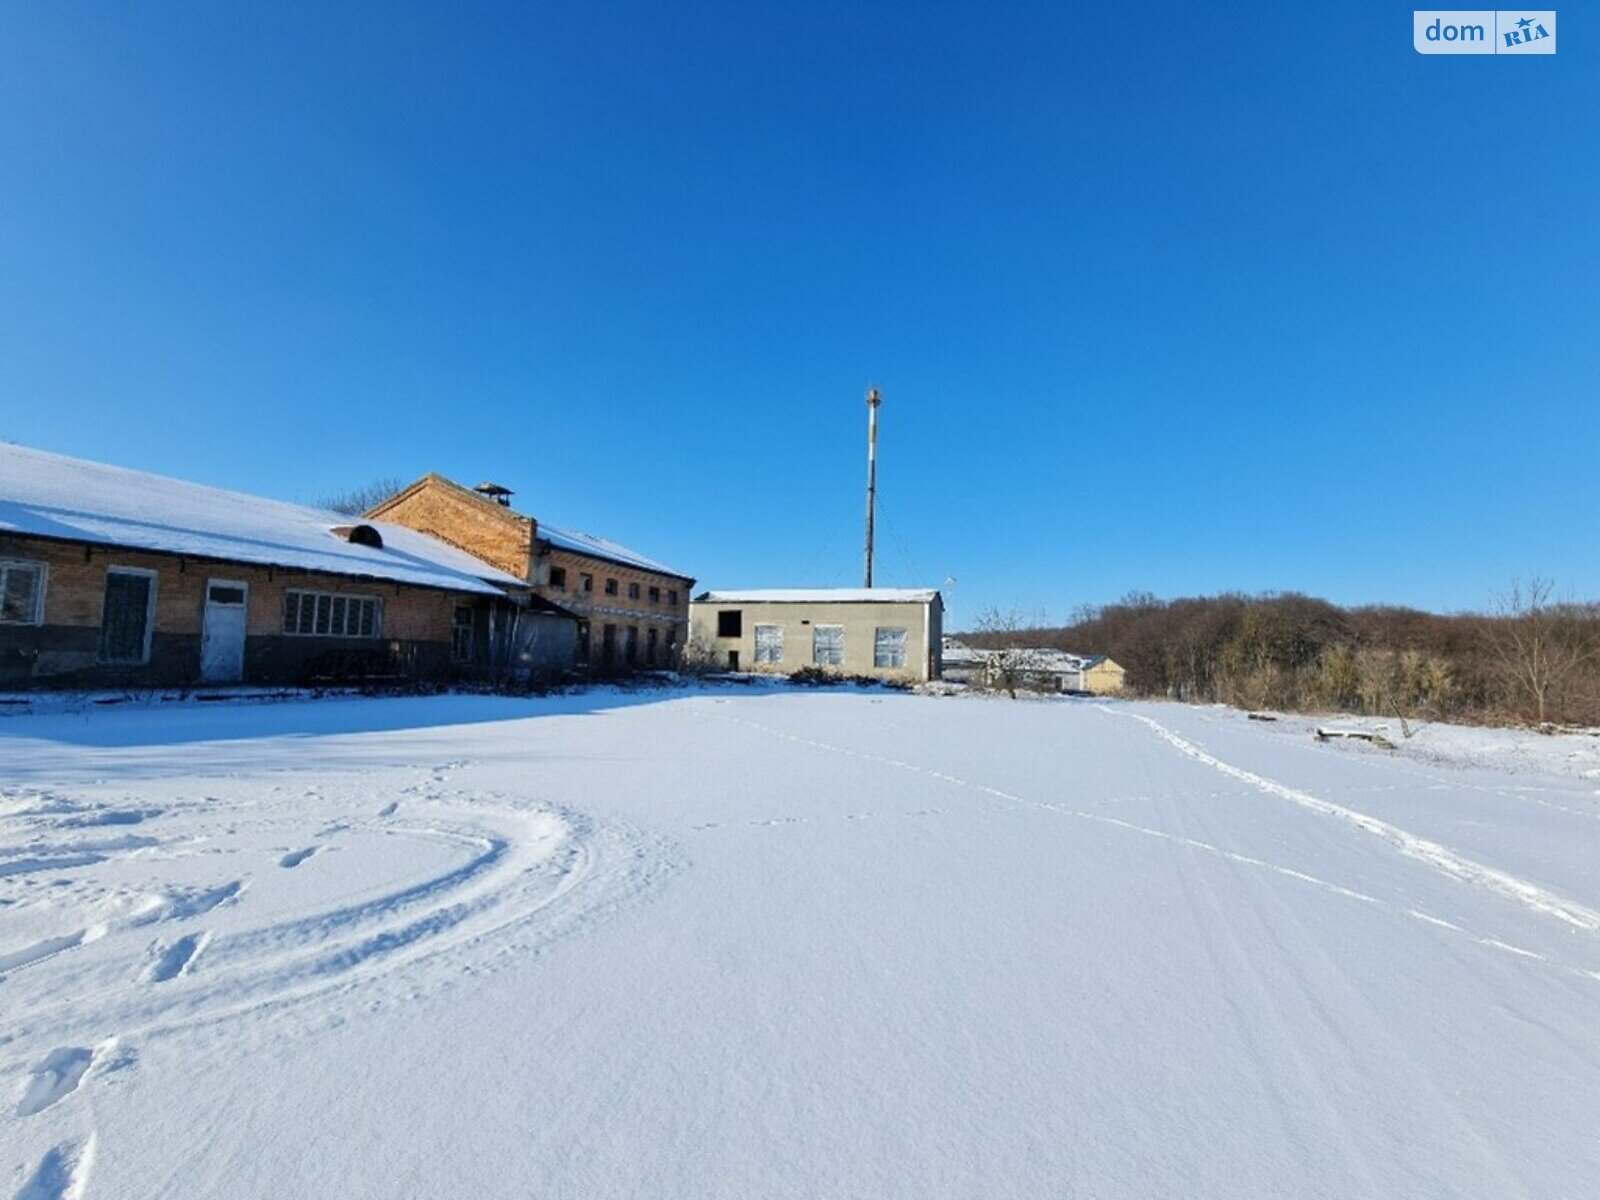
{"x":873,"y":400}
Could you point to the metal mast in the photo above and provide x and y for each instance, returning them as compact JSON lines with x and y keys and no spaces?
{"x":873,"y":400}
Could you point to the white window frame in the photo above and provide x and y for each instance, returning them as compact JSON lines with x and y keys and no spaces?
{"x":816,"y":646}
{"x":242,"y":585}
{"x":878,"y":655}
{"x":149,"y":616}
{"x":773,"y":651}
{"x":43,"y":569}
{"x":346,"y":597}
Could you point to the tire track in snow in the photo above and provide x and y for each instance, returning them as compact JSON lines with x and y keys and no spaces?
{"x":533,"y":874}
{"x":1147,"y":831}
{"x":1440,"y":858}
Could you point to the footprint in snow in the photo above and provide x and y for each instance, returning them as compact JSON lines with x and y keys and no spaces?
{"x":62,"y":1174}
{"x":177,"y":959}
{"x":58,"y":1076}
{"x":295,"y":857}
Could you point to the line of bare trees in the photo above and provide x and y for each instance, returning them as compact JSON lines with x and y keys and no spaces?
{"x":1534,"y":657}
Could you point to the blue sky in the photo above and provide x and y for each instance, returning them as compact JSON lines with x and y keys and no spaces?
{"x":1178,"y":299}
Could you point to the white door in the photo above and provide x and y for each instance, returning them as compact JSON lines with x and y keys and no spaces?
{"x":222,"y":635}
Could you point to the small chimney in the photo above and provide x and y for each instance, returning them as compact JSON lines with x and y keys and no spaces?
{"x":494,"y":491}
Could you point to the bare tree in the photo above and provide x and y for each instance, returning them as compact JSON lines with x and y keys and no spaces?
{"x":359,"y":500}
{"x":1539,"y":642}
{"x":1006,"y":662}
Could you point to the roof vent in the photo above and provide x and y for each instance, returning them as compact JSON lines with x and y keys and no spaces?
{"x":494,"y":491}
{"x":359,"y":535}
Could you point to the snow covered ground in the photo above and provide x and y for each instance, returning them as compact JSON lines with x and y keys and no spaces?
{"x":778,"y":943}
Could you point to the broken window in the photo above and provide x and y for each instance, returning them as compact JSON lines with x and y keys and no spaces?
{"x":125,"y":619}
{"x":730,"y":623}
{"x":558,"y":578}
{"x":611,"y":587}
{"x":586,"y":581}
{"x":827,"y":647}
{"x":655,"y":595}
{"x":769,"y":643}
{"x":889,"y":648}
{"x":633,"y":591}
{"x":21,"y":593}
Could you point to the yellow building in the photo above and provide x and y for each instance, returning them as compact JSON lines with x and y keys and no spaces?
{"x":889,"y":633}
{"x":1100,"y":676}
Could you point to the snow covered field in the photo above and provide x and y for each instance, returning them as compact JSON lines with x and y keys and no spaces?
{"x":759,"y":942}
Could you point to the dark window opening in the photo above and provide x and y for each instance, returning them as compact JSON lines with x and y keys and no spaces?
{"x":633,"y":591}
{"x":611,"y":587}
{"x":558,"y":578}
{"x":730,"y":623}
{"x":672,"y":597}
{"x":655,"y":595}
{"x":733,"y":660}
{"x":583,"y":642}
{"x":461,"y":634}
{"x":630,"y":645}
{"x":125,"y":619}
{"x":20,"y":587}
{"x":586,"y":582}
{"x":651,"y":637}
{"x":608,"y":644}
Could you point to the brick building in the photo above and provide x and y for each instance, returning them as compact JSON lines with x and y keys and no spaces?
{"x":631,"y":610}
{"x":112,"y":577}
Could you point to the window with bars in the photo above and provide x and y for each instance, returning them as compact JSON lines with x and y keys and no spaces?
{"x":127,"y":615}
{"x":889,"y":648}
{"x":21,"y":593}
{"x":827,"y":645}
{"x":324,"y":614}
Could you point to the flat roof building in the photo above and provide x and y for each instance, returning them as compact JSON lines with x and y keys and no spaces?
{"x":887,"y":633}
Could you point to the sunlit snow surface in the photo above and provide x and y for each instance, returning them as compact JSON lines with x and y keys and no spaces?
{"x":758,"y":942}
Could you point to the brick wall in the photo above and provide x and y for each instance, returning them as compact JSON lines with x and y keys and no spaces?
{"x":669,"y":621}
{"x":434,"y":505}
{"x":63,"y":647}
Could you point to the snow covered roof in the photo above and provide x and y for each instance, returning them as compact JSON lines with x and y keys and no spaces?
{"x":51,"y":495}
{"x":823,"y":596}
{"x":588,"y":543}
